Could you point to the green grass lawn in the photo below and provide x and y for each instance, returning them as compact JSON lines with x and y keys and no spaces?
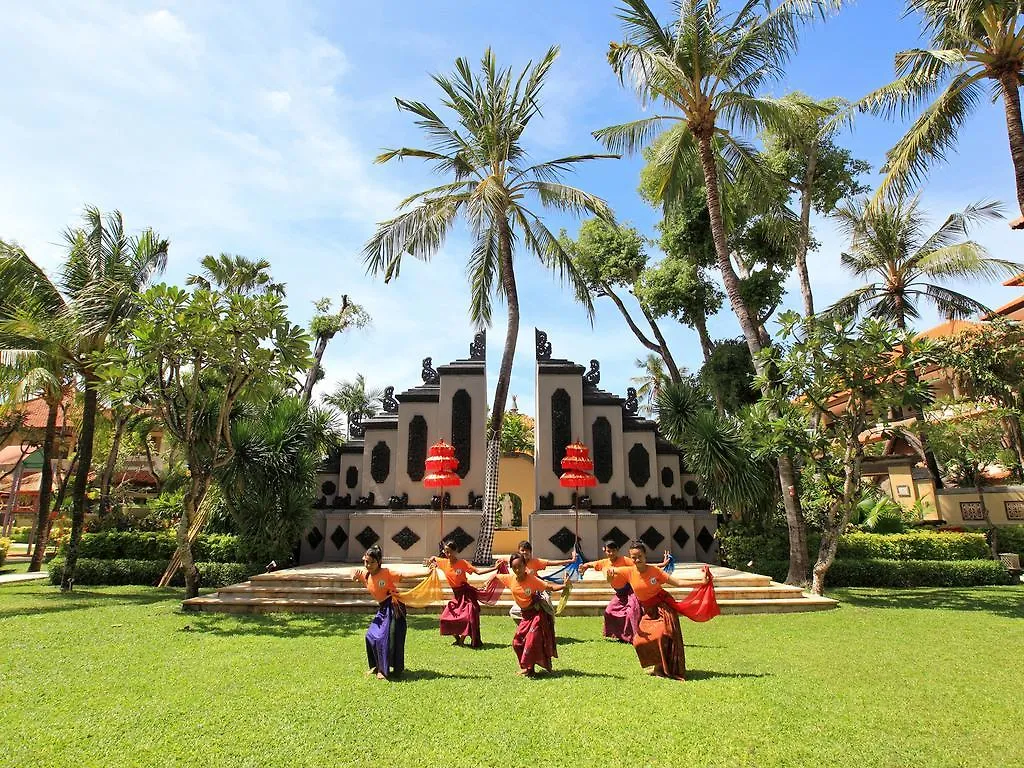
{"x":119,"y":676}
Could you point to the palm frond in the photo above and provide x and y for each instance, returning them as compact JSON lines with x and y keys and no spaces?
{"x":629,"y":138}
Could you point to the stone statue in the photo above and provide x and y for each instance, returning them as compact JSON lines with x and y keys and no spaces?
{"x":632,"y":405}
{"x":388,"y":402}
{"x":593,"y":376}
{"x":543,"y":345}
{"x":429,"y":375}
{"x":506,"y":509}
{"x":355,"y":426}
{"x":478,"y":349}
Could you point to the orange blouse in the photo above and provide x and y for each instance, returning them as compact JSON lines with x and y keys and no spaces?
{"x":647,"y":584}
{"x":523,"y":591}
{"x":619,"y":578}
{"x":455,"y":570}
{"x":536,"y":564}
{"x":381,"y":584}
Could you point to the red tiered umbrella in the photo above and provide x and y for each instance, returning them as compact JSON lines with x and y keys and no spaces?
{"x":441,"y":466}
{"x":578,"y":467}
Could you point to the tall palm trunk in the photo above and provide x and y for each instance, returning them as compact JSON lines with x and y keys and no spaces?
{"x":485,"y":540}
{"x":1010,"y":86}
{"x":805,"y":233}
{"x":929,"y":455}
{"x":45,"y":486}
{"x":120,"y":425}
{"x":798,"y":564}
{"x":85,"y":441}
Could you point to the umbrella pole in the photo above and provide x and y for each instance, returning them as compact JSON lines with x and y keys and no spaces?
{"x":441,"y":532}
{"x":577,"y":547}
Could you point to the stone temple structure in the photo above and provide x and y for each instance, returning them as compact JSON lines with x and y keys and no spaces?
{"x":372,"y":490}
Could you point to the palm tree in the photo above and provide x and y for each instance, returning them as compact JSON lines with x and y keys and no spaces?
{"x":707,"y":67}
{"x":971,"y":44}
{"x":490,"y":181}
{"x":652,"y":380}
{"x":905,"y":265}
{"x":30,"y":303}
{"x":232,"y":273}
{"x":105,"y":270}
{"x":355,"y":401}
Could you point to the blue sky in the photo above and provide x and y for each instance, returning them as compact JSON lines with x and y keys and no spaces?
{"x":250,"y":127}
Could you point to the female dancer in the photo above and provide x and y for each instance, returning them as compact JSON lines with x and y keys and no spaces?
{"x":659,"y":640}
{"x":461,"y":617}
{"x":534,"y":640}
{"x":622,"y":615}
{"x":385,"y":638}
{"x":534,"y":565}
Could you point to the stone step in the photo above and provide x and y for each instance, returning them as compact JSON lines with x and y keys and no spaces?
{"x":579,"y":594}
{"x":240,"y":603}
{"x":339,"y":582}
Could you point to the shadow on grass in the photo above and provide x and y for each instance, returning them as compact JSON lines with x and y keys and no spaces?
{"x":707,"y":674}
{"x":562,"y":672}
{"x":410,"y":675}
{"x":281,"y":625}
{"x":56,"y":601}
{"x":1001,"y":601}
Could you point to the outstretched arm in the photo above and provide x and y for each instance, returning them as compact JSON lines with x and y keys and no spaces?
{"x":677,"y":582}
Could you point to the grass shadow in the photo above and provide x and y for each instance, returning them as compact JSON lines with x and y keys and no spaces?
{"x":563,"y":672}
{"x":707,"y":674}
{"x":1002,"y":601}
{"x":410,"y":675}
{"x":55,"y":601}
{"x":279,"y":625}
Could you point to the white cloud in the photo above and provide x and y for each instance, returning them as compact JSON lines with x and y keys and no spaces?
{"x":278,"y":101}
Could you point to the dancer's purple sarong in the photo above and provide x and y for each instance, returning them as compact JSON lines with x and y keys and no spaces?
{"x":622,"y":615}
{"x":385,"y":639}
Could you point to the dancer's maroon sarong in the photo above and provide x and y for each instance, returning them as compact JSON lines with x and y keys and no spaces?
{"x":659,"y":639}
{"x":461,"y":617}
{"x":622,"y":615}
{"x":534,"y":641}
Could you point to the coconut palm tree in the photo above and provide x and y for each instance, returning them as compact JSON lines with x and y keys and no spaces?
{"x":975,"y":49}
{"x":100,"y":281}
{"x":232,"y":273}
{"x":490,"y":181}
{"x":651,"y":381}
{"x":354,"y":400}
{"x":905,"y":265}
{"x":706,"y":68}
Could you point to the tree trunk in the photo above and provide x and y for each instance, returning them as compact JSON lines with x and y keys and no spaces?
{"x":839,"y":513}
{"x":1015,"y":131}
{"x":1016,"y":436}
{"x":485,"y":540}
{"x":193,"y":498}
{"x":120,"y":424}
{"x":85,"y":439}
{"x":786,"y":472}
{"x":805,"y":232}
{"x":314,"y":369}
{"x":929,"y":455}
{"x":706,"y":345}
{"x":661,"y":349}
{"x":45,"y":487}
{"x":670,"y":363}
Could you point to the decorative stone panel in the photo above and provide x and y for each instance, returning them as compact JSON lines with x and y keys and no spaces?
{"x":367,"y":537}
{"x":1014,"y":510}
{"x":705,"y":538}
{"x":351,"y":477}
{"x":639,"y":461}
{"x":416,"y":459}
{"x":561,"y":427}
{"x":602,"y":439}
{"x":652,"y":538}
{"x":564,"y":539}
{"x":314,"y":537}
{"x":339,"y":537}
{"x":681,"y":537}
{"x":459,"y":538}
{"x":972,"y":510}
{"x":380,"y":462}
{"x":406,"y":538}
{"x":617,"y":536}
{"x":668,"y":477}
{"x":462,"y":430}
{"x":328,"y":488}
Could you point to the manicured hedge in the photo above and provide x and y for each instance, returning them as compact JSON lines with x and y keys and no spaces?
{"x":899,"y":573}
{"x":1011,"y":539}
{"x":5,"y":545}
{"x":93,"y":572}
{"x":740,"y":545}
{"x":154,"y":545}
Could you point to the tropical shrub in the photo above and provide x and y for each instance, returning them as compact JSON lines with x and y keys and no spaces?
{"x":901,"y":573}
{"x":5,"y":546}
{"x":95,"y":572}
{"x":153,"y":545}
{"x":20,"y":534}
{"x":1010,"y":538}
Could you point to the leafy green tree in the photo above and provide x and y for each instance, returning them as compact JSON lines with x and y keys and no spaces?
{"x":490,"y":181}
{"x":516,"y":434}
{"x":975,"y":49}
{"x":354,"y":400}
{"x":729,"y":375}
{"x":611,"y":259}
{"x":968,"y":440}
{"x":872,"y":363}
{"x":194,"y":355}
{"x":269,"y":482}
{"x":819,"y":172}
{"x":100,"y":281}
{"x":906,"y":265}
{"x":324,"y":326}
{"x":988,"y":363}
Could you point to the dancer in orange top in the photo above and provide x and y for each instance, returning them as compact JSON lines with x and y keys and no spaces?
{"x":659,"y":640}
{"x":385,"y":638}
{"x":534,"y":565}
{"x":534,"y":640}
{"x":623,"y":612}
{"x":461,"y":617}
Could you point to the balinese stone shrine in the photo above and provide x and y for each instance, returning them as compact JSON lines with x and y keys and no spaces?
{"x":372,"y":491}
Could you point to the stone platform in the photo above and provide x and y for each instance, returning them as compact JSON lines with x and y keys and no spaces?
{"x":328,"y":588}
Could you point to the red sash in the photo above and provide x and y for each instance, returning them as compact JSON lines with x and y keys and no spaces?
{"x":699,"y":605}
